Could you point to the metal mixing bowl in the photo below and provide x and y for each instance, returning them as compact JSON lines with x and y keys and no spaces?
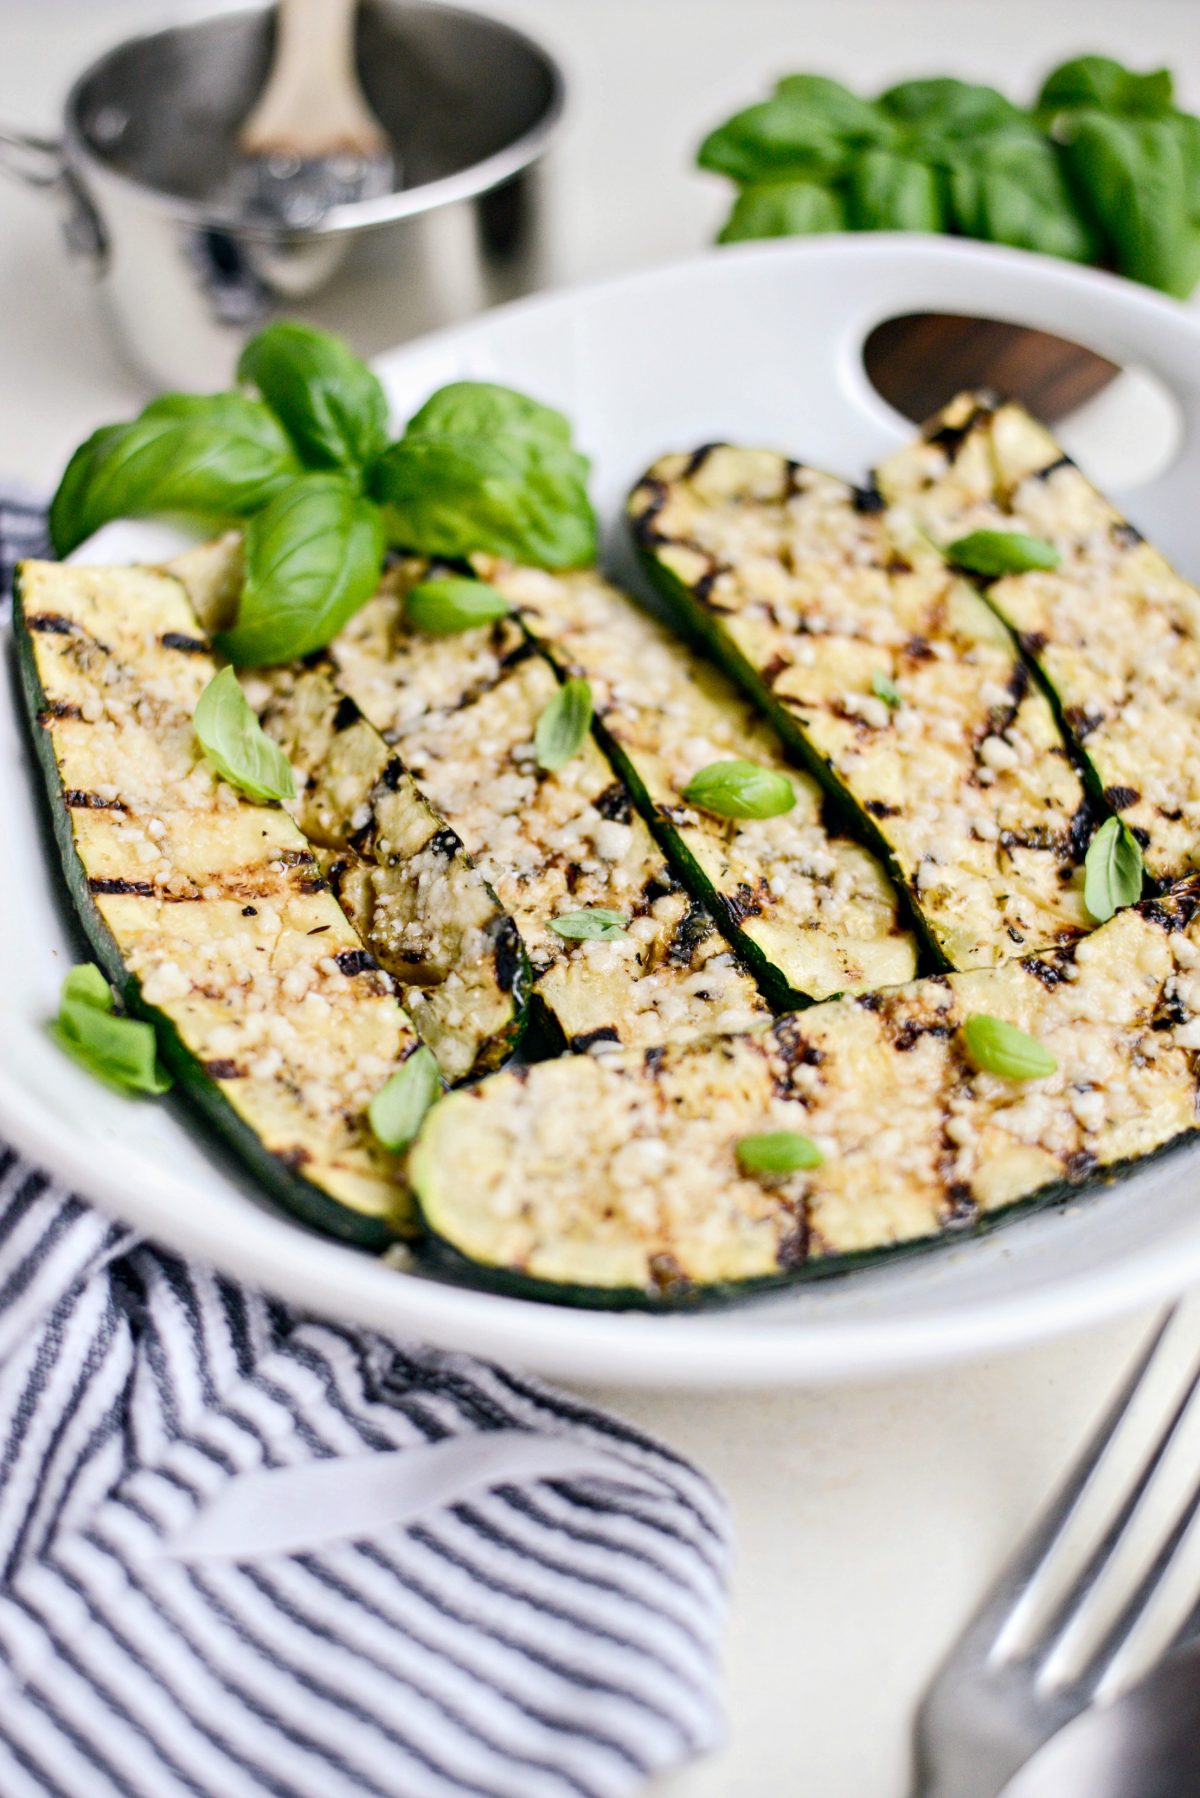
{"x":148,"y":144}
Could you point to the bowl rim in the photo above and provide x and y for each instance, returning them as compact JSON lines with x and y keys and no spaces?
{"x":465,"y":184}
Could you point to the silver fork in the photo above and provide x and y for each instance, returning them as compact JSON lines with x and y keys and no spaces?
{"x":1070,"y":1623}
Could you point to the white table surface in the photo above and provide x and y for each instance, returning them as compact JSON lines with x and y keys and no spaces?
{"x":868,"y":1521}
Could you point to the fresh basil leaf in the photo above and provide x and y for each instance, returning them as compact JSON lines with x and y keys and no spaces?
{"x":1112,"y":870}
{"x":1135,"y":180}
{"x":563,"y":726}
{"x":783,"y":209}
{"x":890,"y":192}
{"x":596,"y":924}
{"x":845,"y":114}
{"x":398,"y":1109}
{"x":236,"y":743}
{"x":886,"y":689}
{"x":943,"y":108}
{"x":1101,"y":82}
{"x":313,"y":557}
{"x":994,"y":553}
{"x":214,"y":456}
{"x":120,"y":1051}
{"x":1011,"y":189}
{"x":740,"y":789}
{"x":1000,"y":1048}
{"x":482,"y":409}
{"x":331,"y":405}
{"x":446,"y":606}
{"x":778,"y":1152}
{"x":774,"y":139}
{"x":520,"y":497}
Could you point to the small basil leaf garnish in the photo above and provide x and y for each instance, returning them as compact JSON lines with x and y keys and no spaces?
{"x":564,"y":725}
{"x":331,"y":405}
{"x":596,"y":924}
{"x":778,"y":1152}
{"x":454,"y":603}
{"x":1000,"y":1048}
{"x":1001,"y":552}
{"x":213,"y":456}
{"x":120,"y":1051}
{"x":313,"y":557}
{"x":1112,"y":870}
{"x":396,"y":1112}
{"x":236,"y":743}
{"x":886,"y":689}
{"x":740,"y":789}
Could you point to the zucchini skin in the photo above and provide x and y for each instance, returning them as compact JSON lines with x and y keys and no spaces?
{"x":806,"y":590}
{"x":300,"y":1196}
{"x":809,"y":911}
{"x":618,"y":1184}
{"x":1112,"y":635}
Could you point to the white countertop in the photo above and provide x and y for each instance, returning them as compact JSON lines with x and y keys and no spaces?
{"x":868,"y":1521}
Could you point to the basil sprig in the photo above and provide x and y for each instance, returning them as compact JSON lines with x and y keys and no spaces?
{"x":305,"y":459}
{"x":483,"y":469}
{"x":596,"y":924}
{"x":1103,"y":168}
{"x":453,"y":603}
{"x":778,"y":1152}
{"x":562,"y":729}
{"x":236,"y":743}
{"x":120,"y":1051}
{"x":740,"y":789}
{"x":313,"y":557}
{"x":994,"y":553}
{"x":1000,"y":1048}
{"x":1112,"y":870}
{"x":329,"y":402}
{"x":398,"y":1109}
{"x":214,"y":457}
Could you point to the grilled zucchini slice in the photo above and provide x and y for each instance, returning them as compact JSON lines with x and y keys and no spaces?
{"x":208,"y":912}
{"x":1114,"y":631}
{"x":813,"y":913}
{"x":892,"y":677}
{"x":462,"y":710}
{"x":617,"y":1180}
{"x":403,"y":877}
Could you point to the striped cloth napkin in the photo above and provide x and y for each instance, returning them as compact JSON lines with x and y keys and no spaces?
{"x":247,"y":1551}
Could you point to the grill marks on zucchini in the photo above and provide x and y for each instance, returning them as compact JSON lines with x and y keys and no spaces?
{"x":462,"y":711}
{"x":1114,"y":631}
{"x":807,"y":595}
{"x":206,"y":910}
{"x":402,"y":876}
{"x":814,"y":913}
{"x":583,"y":1180}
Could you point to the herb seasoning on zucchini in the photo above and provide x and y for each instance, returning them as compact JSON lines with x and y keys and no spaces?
{"x":206,"y":909}
{"x":1112,"y":629}
{"x":858,"y":1127}
{"x":810,"y":593}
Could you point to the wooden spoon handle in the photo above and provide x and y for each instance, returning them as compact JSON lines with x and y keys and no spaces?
{"x":312,"y":105}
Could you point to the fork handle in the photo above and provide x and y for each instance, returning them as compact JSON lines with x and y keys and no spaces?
{"x":313,"y":105}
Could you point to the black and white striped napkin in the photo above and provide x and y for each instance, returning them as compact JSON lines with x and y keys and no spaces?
{"x":247,"y":1551}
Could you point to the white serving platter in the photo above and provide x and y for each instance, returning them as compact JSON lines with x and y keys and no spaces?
{"x":759,"y":344}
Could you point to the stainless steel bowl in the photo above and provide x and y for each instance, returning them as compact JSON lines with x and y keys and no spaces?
{"x":148,"y":143}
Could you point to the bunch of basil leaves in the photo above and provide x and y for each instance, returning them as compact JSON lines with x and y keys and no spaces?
{"x":1104,"y":168}
{"x":300,"y":457}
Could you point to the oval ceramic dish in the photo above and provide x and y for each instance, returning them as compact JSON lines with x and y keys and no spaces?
{"x":759,"y":344}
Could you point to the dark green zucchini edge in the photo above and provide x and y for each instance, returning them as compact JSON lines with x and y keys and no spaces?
{"x":442,"y":1260}
{"x":847,"y":817}
{"x":292,"y":1190}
